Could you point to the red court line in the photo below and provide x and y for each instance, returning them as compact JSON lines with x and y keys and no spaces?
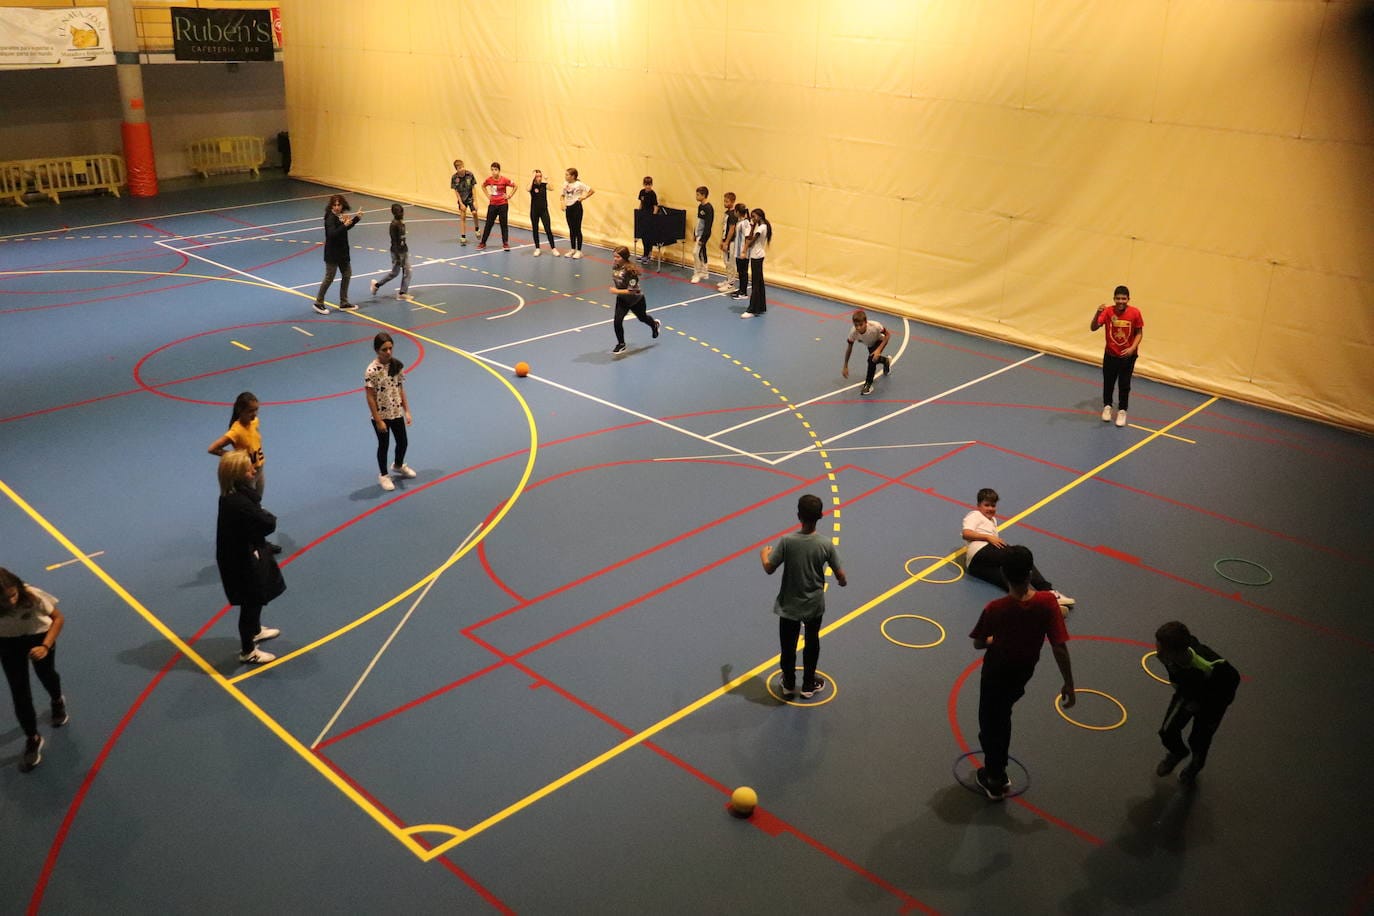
{"x":952,"y":712}
{"x":1149,"y":494}
{"x":467,"y":879}
{"x":625,"y":561}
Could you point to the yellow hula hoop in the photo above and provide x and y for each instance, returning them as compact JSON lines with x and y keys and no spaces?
{"x":911,"y":645}
{"x":1144,"y":663}
{"x":1093,"y":728}
{"x":830,"y":693}
{"x":907,"y":566}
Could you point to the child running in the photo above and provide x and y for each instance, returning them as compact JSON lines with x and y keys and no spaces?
{"x":400,"y":254}
{"x":628,"y":297}
{"x":29,"y":625}
{"x":873,"y":336}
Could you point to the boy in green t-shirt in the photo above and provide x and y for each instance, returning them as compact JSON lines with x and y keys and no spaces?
{"x":803,"y":557}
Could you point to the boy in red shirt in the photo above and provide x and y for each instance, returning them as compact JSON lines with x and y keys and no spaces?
{"x":1125,"y":328}
{"x":1012,"y":630}
{"x":498,"y":205}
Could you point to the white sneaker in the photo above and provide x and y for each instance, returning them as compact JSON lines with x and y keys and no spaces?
{"x":403,"y":470}
{"x":267,"y":633}
{"x":576,"y":255}
{"x":1063,"y":599}
{"x":555,"y":252}
{"x":403,"y":296}
{"x":537,"y":252}
{"x":1121,"y":418}
{"x":386,"y":482}
{"x":375,"y":286}
{"x":1107,"y":413}
{"x":256,"y":657}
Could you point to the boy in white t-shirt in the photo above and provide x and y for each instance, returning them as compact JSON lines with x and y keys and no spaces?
{"x":873,"y":336}
{"x":988,"y":553}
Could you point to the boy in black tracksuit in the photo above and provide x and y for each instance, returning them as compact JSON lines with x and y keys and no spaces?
{"x":1204,"y":686}
{"x":400,"y":254}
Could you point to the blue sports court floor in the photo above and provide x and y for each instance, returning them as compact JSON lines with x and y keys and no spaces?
{"x":527,"y":680}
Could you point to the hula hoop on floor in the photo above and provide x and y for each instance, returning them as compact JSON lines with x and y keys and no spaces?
{"x":974,"y":787}
{"x":1268,"y":576}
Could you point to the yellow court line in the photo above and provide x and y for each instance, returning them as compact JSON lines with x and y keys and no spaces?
{"x":1167,"y":435}
{"x":481,"y":535}
{"x":241,"y":346}
{"x":272,"y":725}
{"x":674,"y":718}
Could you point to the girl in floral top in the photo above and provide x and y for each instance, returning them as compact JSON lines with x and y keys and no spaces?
{"x":386,"y":400}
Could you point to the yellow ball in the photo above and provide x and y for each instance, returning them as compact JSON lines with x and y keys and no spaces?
{"x":522,"y":369}
{"x":743,"y":801}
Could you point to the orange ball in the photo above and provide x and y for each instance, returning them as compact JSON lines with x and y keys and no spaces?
{"x":743,"y":801}
{"x":522,"y":369}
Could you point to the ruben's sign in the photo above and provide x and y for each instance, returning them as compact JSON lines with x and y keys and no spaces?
{"x":220,"y":34}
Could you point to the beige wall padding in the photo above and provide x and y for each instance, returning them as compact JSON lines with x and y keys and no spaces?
{"x":995,"y":165}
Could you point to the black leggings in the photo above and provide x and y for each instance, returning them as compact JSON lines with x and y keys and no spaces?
{"x":742,"y":272}
{"x":758,"y":296}
{"x":14,"y":656}
{"x":574,"y":215}
{"x":1116,"y":373}
{"x":623,"y":306}
{"x":345,"y":268}
{"x":250,"y":622}
{"x":788,"y":631}
{"x":534,"y":226}
{"x":987,"y":565}
{"x":398,"y":428}
{"x":495,"y":212}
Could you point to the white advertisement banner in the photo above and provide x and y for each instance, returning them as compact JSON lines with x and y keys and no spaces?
{"x":72,"y":37}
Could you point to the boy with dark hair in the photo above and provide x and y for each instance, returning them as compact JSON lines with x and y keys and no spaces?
{"x":727,"y":235}
{"x":873,"y":336}
{"x":1012,"y":631}
{"x":1124,"y":329}
{"x":498,"y":206}
{"x":648,"y":202}
{"x":706,"y":221}
{"x":803,"y":556}
{"x":400,"y":254}
{"x":987,"y":552}
{"x":1204,"y":687}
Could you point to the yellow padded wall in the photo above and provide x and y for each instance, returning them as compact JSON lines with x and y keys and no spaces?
{"x":994,"y":165}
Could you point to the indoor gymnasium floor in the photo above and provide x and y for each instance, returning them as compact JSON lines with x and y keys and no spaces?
{"x":528,"y":679}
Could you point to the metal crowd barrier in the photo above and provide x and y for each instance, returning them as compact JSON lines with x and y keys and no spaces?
{"x":61,"y":175}
{"x":226,"y":154}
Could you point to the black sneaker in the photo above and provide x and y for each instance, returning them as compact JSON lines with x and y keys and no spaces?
{"x":817,"y":686}
{"x":788,"y":693}
{"x":618,"y":348}
{"x":319,"y":307}
{"x":33,"y":754}
{"x":657,"y":324}
{"x":275,"y":548}
{"x":59,"y":712}
{"x":866,"y":390}
{"x":1166,"y":766}
{"x":1188,"y":777}
{"x":348,"y":306}
{"x":993,"y":790}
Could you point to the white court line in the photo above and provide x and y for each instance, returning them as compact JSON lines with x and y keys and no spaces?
{"x":906,"y":337}
{"x":89,"y":556}
{"x":148,"y":219}
{"x":387,"y":644}
{"x":242,"y":273}
{"x":582,"y":327}
{"x":935,"y":397}
{"x":848,"y":448}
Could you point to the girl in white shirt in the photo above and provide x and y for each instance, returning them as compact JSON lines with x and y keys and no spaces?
{"x":760,"y":235}
{"x":574,"y":192}
{"x":29,"y":625}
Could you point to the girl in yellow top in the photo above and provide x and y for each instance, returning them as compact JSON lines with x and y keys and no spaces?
{"x":244,"y":436}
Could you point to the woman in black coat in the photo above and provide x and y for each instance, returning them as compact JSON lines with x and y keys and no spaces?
{"x":246,"y":565}
{"x":338,"y":256}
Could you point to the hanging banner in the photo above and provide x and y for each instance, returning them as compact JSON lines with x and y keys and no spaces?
{"x":74,"y":37}
{"x":220,"y":34}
